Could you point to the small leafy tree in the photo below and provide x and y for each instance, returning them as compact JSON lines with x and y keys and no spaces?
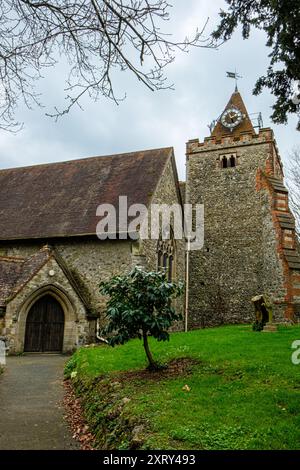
{"x":139,"y":305}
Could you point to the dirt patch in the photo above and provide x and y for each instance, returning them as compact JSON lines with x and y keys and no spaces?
{"x":175,"y":367}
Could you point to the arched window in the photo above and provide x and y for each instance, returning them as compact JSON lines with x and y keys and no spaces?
{"x":166,"y":255}
{"x":165,"y":263}
{"x":170,"y":270}
{"x":159,"y":258}
{"x":224,"y":162}
{"x":228,"y":161}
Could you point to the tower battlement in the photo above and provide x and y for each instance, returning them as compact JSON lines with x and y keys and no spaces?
{"x":243,"y":138}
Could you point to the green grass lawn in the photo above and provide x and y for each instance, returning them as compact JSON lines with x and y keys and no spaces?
{"x":244,"y":391}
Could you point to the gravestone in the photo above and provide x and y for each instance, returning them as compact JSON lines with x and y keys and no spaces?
{"x":263,"y":312}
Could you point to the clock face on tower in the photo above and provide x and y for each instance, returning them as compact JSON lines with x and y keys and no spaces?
{"x":231,"y":118}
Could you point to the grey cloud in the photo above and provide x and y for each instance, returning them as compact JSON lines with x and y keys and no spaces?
{"x":146,"y":119}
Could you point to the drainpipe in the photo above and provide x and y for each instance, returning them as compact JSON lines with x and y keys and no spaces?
{"x":99,"y":338}
{"x":187,"y":279}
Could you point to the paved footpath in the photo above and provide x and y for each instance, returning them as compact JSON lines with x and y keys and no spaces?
{"x":31,"y":412}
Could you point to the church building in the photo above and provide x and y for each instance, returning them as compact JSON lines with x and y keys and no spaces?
{"x":52,"y":262}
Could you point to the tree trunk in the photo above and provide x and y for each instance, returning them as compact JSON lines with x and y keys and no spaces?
{"x":152,"y":364}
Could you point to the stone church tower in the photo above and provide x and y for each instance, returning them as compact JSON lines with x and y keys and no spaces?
{"x":250,"y":243}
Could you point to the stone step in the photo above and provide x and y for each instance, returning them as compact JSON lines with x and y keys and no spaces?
{"x":270,"y":328}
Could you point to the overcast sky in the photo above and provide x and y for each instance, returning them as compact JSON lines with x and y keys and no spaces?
{"x":150,"y":120}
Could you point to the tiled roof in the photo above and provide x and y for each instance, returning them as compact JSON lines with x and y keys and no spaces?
{"x":10,"y":270}
{"x":61,"y":199}
{"x":16,"y":272}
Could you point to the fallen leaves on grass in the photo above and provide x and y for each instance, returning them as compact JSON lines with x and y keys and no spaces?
{"x":74,"y":417}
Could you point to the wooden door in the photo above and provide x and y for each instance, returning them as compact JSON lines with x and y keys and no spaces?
{"x":45,"y":326}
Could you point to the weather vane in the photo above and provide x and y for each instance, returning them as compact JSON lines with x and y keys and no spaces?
{"x":236,"y":77}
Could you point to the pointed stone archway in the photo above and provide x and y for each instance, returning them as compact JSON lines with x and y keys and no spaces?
{"x":47,"y":312}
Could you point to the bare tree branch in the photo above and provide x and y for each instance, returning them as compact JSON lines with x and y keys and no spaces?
{"x":293,"y":184}
{"x":96,"y":37}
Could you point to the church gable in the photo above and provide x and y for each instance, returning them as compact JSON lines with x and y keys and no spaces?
{"x":41,"y":284}
{"x":167,"y":193}
{"x":16,"y":273}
